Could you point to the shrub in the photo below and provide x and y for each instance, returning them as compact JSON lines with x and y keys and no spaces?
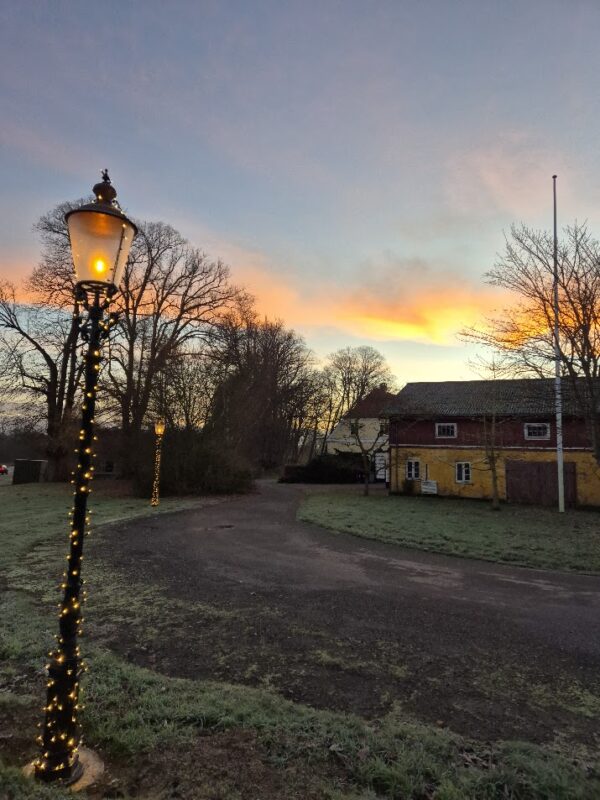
{"x":338,"y":468}
{"x":191,"y":464}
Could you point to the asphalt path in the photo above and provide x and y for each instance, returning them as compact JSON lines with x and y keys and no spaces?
{"x":448,"y":618}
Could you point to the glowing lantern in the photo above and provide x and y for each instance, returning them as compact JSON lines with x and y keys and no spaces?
{"x":101,"y":237}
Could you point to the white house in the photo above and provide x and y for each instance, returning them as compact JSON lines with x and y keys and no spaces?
{"x":363,"y":421}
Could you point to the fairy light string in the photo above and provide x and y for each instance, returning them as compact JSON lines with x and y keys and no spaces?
{"x":61,"y":736}
{"x":159,"y":430}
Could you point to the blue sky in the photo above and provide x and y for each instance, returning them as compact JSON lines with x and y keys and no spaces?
{"x":355,"y":163}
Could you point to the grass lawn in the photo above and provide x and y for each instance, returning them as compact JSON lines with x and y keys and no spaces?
{"x":39,"y":512}
{"x":164,"y":737}
{"x":520,"y":535}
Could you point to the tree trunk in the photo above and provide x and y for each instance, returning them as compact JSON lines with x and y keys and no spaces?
{"x":493,"y":461}
{"x":56,"y":446}
{"x":495,"y":493}
{"x":58,"y":462}
{"x":130,"y":448}
{"x":367,"y":470}
{"x":313,"y":444}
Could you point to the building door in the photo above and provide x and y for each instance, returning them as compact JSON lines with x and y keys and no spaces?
{"x":536,"y":482}
{"x":380,"y":466}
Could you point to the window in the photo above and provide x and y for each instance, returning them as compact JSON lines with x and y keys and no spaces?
{"x":384,"y":427}
{"x":354,"y":428}
{"x":445,"y":430}
{"x":463,"y":472}
{"x":413,"y":469}
{"x":537,"y":430}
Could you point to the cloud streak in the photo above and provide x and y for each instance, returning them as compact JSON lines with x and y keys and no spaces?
{"x":509,"y":176}
{"x":410,"y":301}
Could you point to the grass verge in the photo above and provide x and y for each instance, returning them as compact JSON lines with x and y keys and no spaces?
{"x":137,"y":715}
{"x":519,"y":535}
{"x":32,"y":513}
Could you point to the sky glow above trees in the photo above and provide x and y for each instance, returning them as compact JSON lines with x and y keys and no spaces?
{"x":355,"y":164}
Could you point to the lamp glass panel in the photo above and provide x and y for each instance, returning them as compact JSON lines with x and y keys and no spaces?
{"x":100,"y":246}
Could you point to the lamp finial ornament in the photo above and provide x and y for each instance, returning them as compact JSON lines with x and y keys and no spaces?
{"x":105,"y":192}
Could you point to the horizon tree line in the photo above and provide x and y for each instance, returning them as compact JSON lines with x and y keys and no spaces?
{"x":188,"y":346}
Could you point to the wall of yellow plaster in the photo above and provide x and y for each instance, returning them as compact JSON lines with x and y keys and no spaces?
{"x":438,"y":464}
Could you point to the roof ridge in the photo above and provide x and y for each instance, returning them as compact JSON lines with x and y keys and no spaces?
{"x":503,"y":396}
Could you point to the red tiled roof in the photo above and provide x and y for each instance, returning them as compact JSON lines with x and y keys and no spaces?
{"x":372,"y":405}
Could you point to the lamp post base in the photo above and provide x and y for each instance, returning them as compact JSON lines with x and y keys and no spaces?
{"x":89,"y":769}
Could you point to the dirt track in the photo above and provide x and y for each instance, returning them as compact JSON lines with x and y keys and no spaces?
{"x":355,"y":625}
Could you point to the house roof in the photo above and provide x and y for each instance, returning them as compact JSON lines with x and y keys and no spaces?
{"x":371,"y":405}
{"x":518,"y":397}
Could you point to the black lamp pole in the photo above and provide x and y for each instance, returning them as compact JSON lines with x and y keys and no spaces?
{"x":100,"y":237}
{"x":61,"y":736}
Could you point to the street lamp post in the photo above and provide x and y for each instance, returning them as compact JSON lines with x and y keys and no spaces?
{"x":101,"y":237}
{"x":159,"y":430}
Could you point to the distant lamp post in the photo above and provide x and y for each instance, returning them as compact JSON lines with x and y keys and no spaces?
{"x":101,"y":236}
{"x":159,"y":430}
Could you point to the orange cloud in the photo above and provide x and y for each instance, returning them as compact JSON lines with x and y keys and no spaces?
{"x":393,"y":301}
{"x":388,"y":311}
{"x":388,"y":299}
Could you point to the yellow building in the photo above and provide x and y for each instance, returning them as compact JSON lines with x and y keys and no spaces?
{"x":450,"y":438}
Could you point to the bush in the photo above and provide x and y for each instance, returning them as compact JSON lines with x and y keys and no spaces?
{"x":22,"y":443}
{"x":191,"y":464}
{"x":338,"y":468}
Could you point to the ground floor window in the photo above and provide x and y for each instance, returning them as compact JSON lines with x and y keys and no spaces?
{"x":463,"y":472}
{"x":413,"y":469}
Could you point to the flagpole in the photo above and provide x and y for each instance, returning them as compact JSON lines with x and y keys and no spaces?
{"x":557,"y":370}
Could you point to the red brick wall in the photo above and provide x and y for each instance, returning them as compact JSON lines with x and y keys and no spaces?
{"x":471,"y":432}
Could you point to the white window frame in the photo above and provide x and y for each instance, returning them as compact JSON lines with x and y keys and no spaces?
{"x":439,"y":435}
{"x":410,"y":473}
{"x":536,"y":438}
{"x":462,"y":465}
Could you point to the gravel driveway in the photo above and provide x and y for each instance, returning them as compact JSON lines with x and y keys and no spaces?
{"x":355,"y":625}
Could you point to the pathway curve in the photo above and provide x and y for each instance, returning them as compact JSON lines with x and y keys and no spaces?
{"x":343,"y":622}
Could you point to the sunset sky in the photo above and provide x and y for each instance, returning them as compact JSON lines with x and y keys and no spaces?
{"x":355,"y":163}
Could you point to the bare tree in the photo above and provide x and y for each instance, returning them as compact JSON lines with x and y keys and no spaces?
{"x":317,"y":412}
{"x":367,"y":450}
{"x":261,"y":404}
{"x":41,"y":333}
{"x":183,"y":390}
{"x":351,"y":373}
{"x":52,"y":281}
{"x":170,"y":297}
{"x":523,"y":333}
{"x":492,"y":371}
{"x":11,"y":390}
{"x":39,"y":354}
